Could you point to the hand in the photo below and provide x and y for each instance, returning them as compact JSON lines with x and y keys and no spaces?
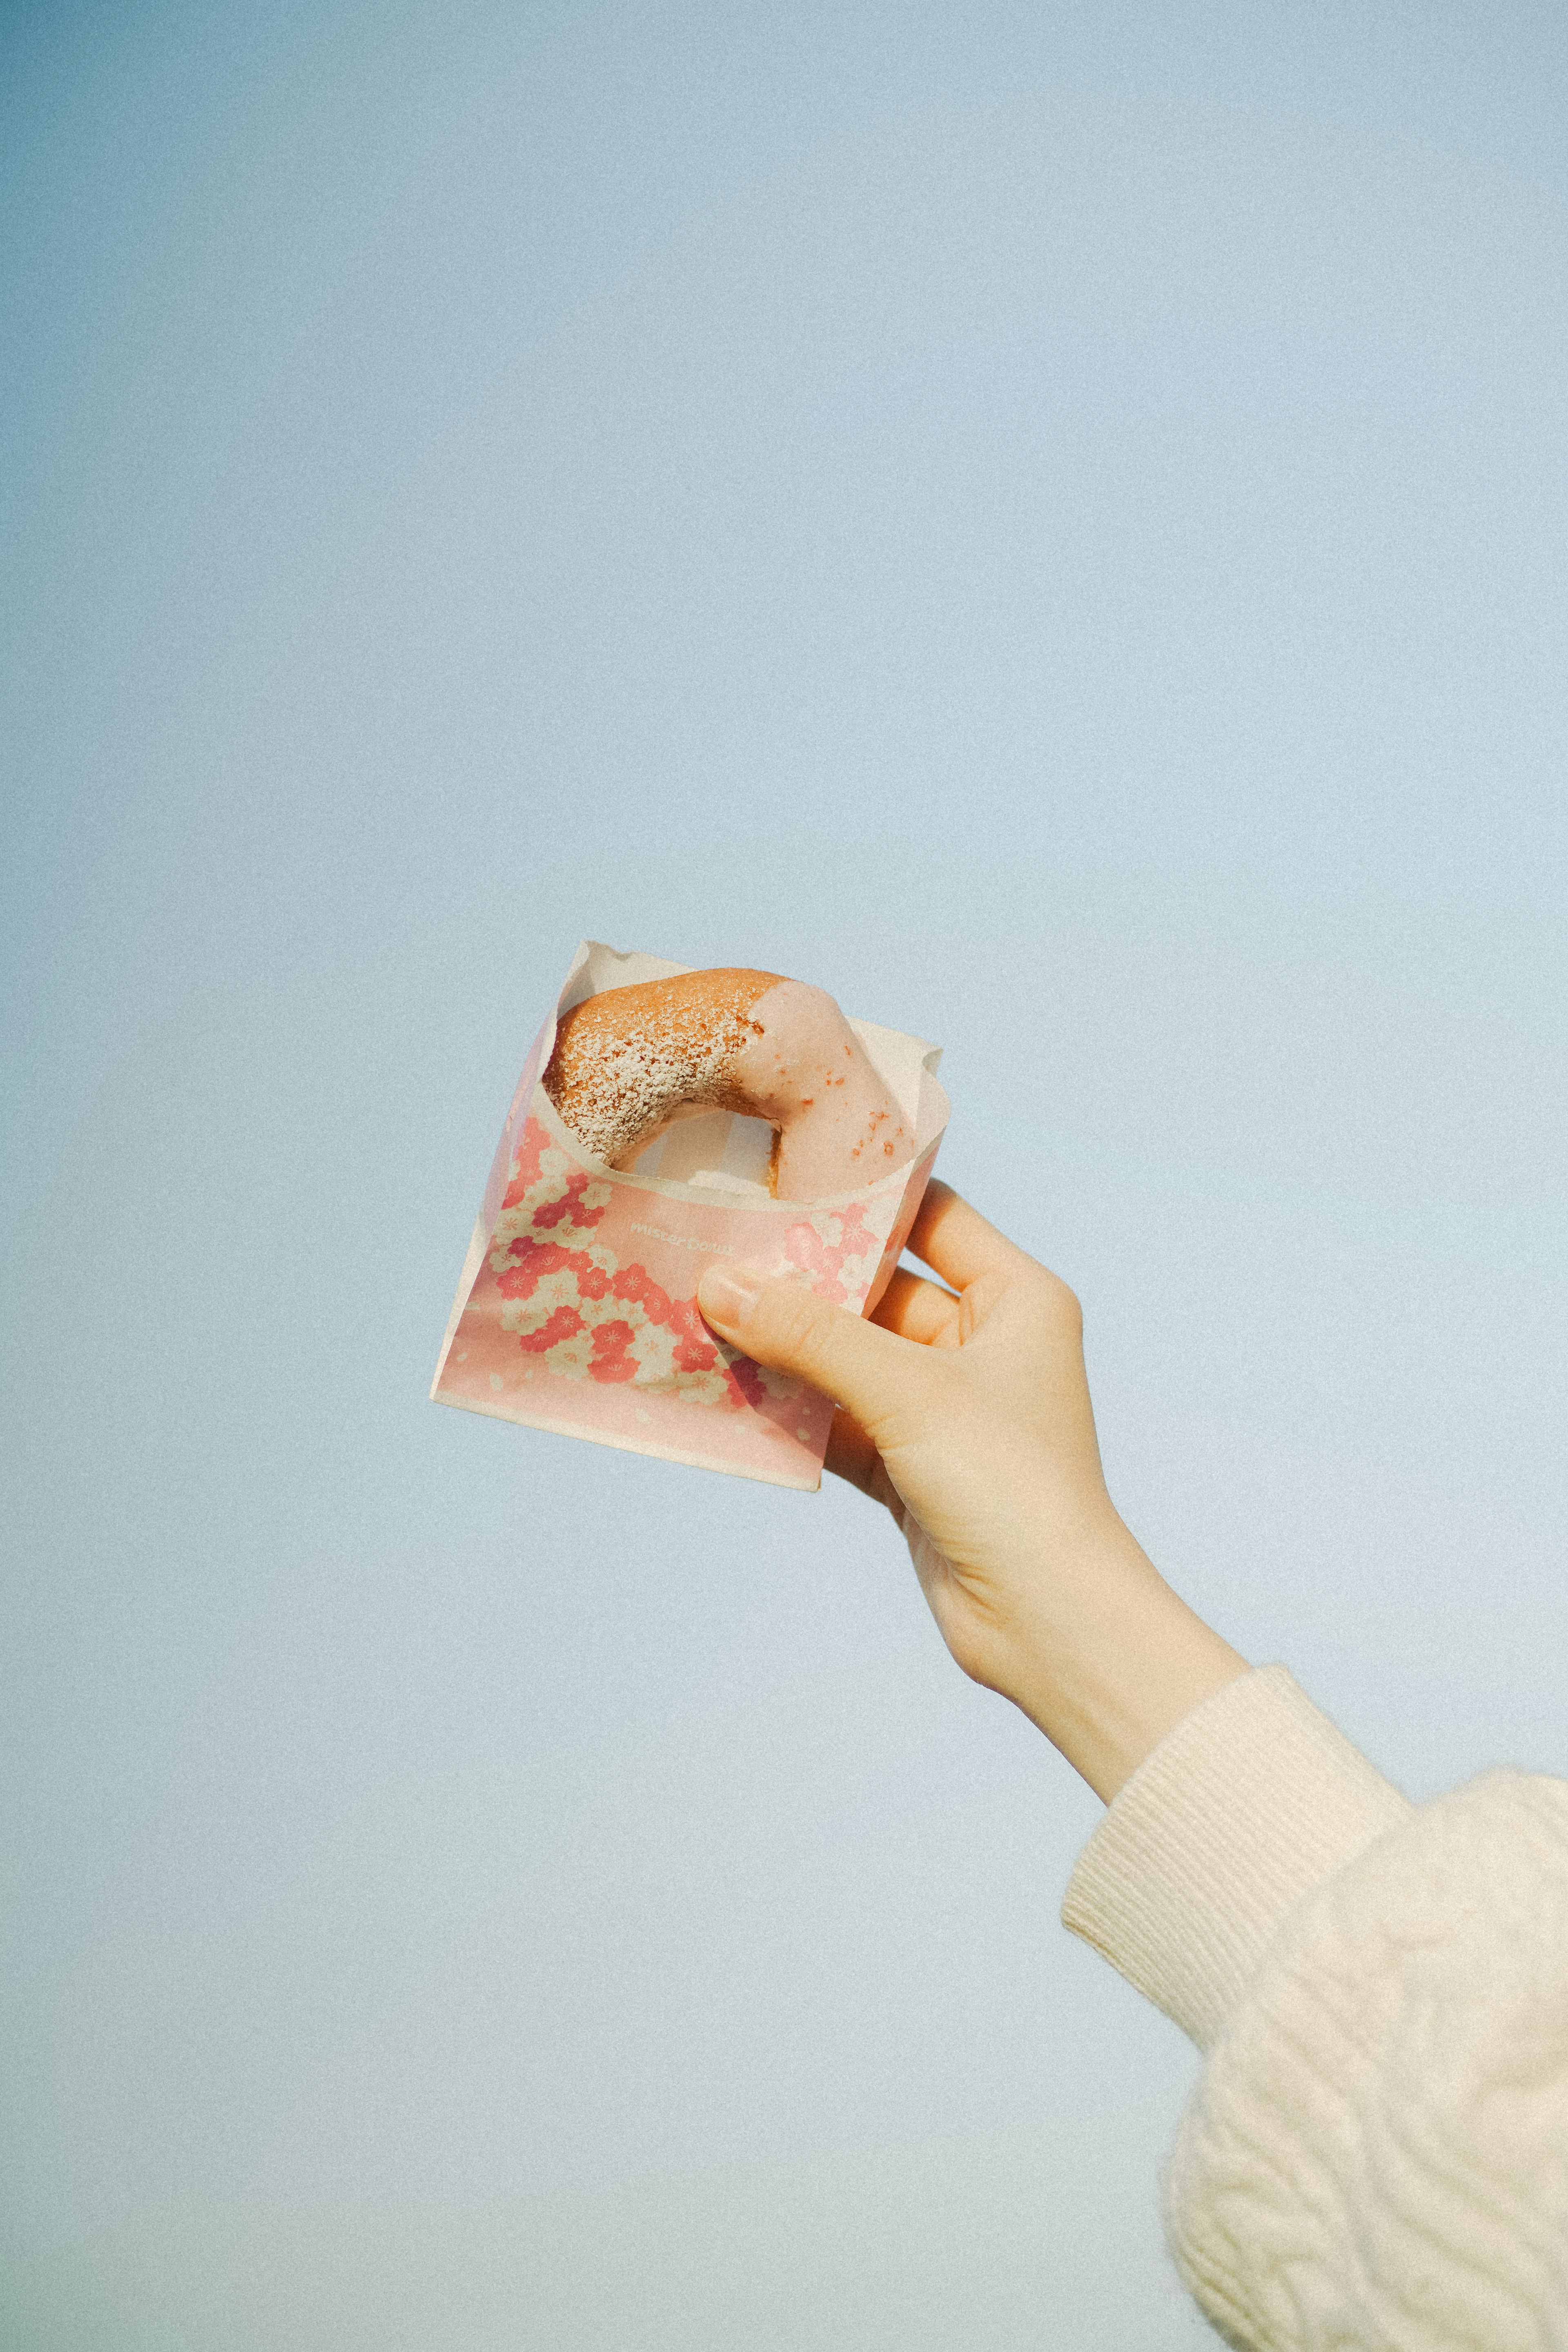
{"x":966,"y":1410}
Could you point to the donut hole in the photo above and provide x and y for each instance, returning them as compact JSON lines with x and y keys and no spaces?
{"x":719,"y":1149}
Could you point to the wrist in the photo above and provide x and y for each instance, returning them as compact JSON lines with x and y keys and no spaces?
{"x":1107,"y":1659}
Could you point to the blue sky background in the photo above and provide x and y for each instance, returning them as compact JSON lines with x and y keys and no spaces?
{"x":1045,"y":520}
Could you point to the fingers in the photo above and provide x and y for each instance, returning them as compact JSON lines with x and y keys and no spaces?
{"x":919,"y":1310}
{"x":852,"y":1457}
{"x":850,"y":1454}
{"x":957,"y":1242}
{"x":834,"y":1351}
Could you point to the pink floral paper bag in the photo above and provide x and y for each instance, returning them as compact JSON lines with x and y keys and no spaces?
{"x":576,"y":1307}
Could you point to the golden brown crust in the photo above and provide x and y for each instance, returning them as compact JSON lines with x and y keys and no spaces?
{"x":690,"y":1013}
{"x":625,"y":1059}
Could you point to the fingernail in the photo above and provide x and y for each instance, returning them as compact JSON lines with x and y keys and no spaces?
{"x":727,"y":1293}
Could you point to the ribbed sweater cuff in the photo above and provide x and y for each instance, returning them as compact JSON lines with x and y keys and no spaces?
{"x":1251,"y":1802}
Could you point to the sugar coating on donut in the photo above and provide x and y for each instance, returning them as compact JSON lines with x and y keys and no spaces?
{"x":630,"y":1060}
{"x":625,"y":1060}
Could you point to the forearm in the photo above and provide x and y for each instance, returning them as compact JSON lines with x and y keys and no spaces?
{"x":1110,"y":1659}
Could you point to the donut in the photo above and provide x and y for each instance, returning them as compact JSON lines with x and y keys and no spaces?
{"x":628,"y":1061}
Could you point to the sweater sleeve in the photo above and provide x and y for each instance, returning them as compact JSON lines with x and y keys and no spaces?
{"x":1376,"y":2153}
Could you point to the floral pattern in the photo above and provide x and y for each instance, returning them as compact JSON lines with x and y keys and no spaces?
{"x":581,"y":1313}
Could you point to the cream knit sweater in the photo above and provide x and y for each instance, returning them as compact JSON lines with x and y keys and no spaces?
{"x":1376,"y":2153}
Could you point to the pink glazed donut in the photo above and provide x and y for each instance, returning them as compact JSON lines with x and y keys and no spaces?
{"x":628,"y":1061}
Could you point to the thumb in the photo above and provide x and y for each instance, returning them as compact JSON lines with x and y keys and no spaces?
{"x":789,"y":1328}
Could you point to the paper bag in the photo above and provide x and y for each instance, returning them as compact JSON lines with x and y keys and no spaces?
{"x":577,"y":1309}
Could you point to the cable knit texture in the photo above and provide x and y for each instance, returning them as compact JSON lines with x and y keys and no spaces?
{"x":1375,"y":2158}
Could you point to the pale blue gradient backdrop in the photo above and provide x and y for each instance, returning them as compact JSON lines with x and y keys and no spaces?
{"x":1046,"y":521}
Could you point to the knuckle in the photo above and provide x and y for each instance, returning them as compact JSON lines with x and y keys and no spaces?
{"x":1064,"y":1305}
{"x":1047,"y":1288}
{"x":793,"y":1324}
